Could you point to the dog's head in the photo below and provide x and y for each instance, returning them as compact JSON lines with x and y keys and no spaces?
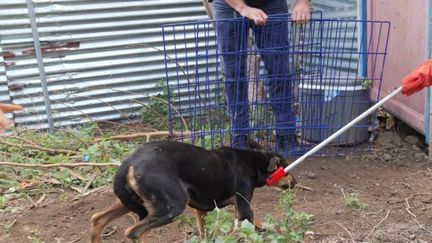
{"x":275,"y":161}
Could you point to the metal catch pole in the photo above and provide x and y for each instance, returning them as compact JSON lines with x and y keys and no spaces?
{"x":342,"y":130}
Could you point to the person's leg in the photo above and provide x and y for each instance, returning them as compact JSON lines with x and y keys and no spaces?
{"x":272,"y":41}
{"x":232,"y":44}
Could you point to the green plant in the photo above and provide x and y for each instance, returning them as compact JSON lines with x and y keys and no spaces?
{"x":367,"y":84}
{"x":219,"y":225}
{"x":82,"y":146}
{"x":352,"y":201}
{"x":3,"y":202}
{"x":35,"y":239}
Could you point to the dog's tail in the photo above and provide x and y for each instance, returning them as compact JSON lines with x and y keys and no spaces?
{"x":126,"y":194}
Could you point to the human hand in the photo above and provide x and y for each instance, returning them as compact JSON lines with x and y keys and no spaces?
{"x":4,"y":122}
{"x":254,"y":14}
{"x":301,"y":12}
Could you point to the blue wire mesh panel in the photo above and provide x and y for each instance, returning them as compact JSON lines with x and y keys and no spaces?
{"x":285,"y":86}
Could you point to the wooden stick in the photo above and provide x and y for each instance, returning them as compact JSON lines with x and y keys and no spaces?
{"x":147,"y":135}
{"x":37,"y":147}
{"x":380,"y":222}
{"x":303,"y":187}
{"x":346,"y":230}
{"x":64,"y":165}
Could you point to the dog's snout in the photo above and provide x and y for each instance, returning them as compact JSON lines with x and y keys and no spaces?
{"x":288,"y":182}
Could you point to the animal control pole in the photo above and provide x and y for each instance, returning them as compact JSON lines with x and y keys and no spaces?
{"x":411,"y":84}
{"x":281,"y":172}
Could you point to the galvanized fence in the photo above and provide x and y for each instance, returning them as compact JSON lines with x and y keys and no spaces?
{"x":101,"y":59}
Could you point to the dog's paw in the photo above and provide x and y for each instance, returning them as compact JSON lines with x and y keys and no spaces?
{"x":131,"y":234}
{"x":258,"y":226}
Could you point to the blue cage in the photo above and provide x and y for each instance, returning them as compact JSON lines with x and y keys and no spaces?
{"x":284,"y":86}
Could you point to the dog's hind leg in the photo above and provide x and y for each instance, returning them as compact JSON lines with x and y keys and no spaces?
{"x":101,"y":219}
{"x":199,"y":221}
{"x":163,"y":207}
{"x":163,"y":199}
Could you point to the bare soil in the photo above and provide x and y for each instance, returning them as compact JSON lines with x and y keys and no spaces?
{"x":394,"y":180}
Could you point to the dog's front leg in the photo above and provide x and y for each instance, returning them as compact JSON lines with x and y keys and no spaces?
{"x":200,"y":223}
{"x":243,"y":209}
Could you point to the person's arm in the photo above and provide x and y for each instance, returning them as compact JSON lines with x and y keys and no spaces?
{"x":255,"y":14}
{"x":301,"y":11}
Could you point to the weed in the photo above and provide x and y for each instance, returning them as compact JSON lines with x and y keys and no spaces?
{"x":35,"y":239}
{"x":352,"y":201}
{"x":81,"y":141}
{"x":219,"y":225}
{"x":3,"y":202}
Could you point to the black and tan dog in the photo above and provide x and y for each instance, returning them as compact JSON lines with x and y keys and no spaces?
{"x":161,"y":178}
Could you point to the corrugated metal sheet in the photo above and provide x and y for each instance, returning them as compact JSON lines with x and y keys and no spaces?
{"x":101,"y":56}
{"x":336,"y":9}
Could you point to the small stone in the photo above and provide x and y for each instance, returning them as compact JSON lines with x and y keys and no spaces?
{"x":412,"y":140}
{"x":412,"y":237}
{"x":419,"y":155}
{"x":324,"y":167}
{"x":311,"y":175}
{"x":339,"y":211}
{"x":310,"y":234}
{"x":393,"y":193}
{"x":389,"y":139}
{"x":388,"y":157}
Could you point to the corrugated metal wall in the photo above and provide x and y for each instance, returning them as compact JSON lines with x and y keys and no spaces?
{"x":346,"y":9}
{"x":99,"y":55}
{"x":102,"y":57}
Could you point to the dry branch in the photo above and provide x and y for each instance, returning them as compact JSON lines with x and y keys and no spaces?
{"x":344,"y":228}
{"x":380,"y":222}
{"x":303,"y":187}
{"x":37,"y":147}
{"x":61,"y":165}
{"x":414,"y":217}
{"x":147,"y":135}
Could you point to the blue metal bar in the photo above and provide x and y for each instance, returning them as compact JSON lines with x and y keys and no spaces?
{"x":363,"y":37}
{"x":429,"y":90}
{"x":39,"y":57}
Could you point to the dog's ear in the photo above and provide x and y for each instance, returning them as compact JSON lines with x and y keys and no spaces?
{"x":273,"y":164}
{"x":254,"y":145}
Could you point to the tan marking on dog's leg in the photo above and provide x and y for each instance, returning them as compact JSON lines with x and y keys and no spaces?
{"x":200,"y":223}
{"x":101,"y":219}
{"x":131,"y":181}
{"x":142,"y":238}
{"x":133,"y":185}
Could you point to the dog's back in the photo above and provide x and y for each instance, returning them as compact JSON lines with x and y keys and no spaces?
{"x":200,"y":173}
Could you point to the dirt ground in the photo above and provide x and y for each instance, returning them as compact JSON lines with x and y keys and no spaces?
{"x":394,"y":180}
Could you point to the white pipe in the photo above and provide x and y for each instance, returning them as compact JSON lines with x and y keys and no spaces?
{"x":342,"y":130}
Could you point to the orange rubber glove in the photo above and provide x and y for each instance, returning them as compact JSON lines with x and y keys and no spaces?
{"x":4,"y":122}
{"x":418,"y":79}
